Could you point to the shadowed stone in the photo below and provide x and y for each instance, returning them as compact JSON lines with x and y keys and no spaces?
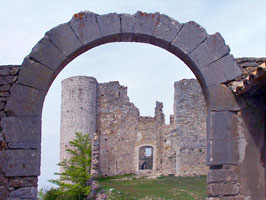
{"x":221,"y":189}
{"x":110,"y":25}
{"x":165,"y":31}
{"x":222,"y":152}
{"x":24,"y":193}
{"x":86,"y":27}
{"x":212,"y":49}
{"x":222,"y":98}
{"x":35,"y":75}
{"x":222,"y":175}
{"x":47,"y":54}
{"x":3,"y":192}
{"x":222,"y":70}
{"x":189,"y":37}
{"x":24,"y":101}
{"x":6,"y":80}
{"x":144,"y":26}
{"x":5,"y":88}
{"x":20,"y":162}
{"x":4,"y":71}
{"x":225,"y":125}
{"x":64,"y":39}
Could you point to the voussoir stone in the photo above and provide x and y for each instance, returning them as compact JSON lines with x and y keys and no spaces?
{"x":25,"y":193}
{"x":86,"y":27}
{"x":222,"y":98}
{"x":189,"y":37}
{"x":144,"y":26}
{"x":35,"y":75}
{"x":127,"y":27}
{"x":212,"y":49}
{"x":64,"y":38}
{"x":109,"y":24}
{"x":48,"y":55}
{"x":165,"y":31}
{"x":24,"y":101}
{"x":20,"y":162}
{"x":222,"y":70}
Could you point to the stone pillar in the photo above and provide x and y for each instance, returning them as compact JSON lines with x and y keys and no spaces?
{"x":78,"y":109}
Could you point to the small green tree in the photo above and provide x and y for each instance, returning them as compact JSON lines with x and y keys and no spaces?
{"x":73,"y":180}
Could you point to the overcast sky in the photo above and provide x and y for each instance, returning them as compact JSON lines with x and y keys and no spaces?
{"x":148,"y":71}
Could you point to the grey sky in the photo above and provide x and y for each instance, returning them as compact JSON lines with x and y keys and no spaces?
{"x":148,"y":71}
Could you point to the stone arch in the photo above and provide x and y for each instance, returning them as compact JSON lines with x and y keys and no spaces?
{"x":206,"y":55}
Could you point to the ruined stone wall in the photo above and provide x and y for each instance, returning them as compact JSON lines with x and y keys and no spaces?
{"x":190,"y":115}
{"x":117,"y":121}
{"x":178,"y":148}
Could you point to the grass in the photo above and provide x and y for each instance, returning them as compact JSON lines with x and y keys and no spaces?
{"x":162,"y":188}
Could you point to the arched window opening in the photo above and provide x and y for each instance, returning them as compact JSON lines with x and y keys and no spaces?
{"x":145,"y":158}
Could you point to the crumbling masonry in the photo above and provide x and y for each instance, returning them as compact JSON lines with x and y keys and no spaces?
{"x":120,"y":135}
{"x":234,"y":90}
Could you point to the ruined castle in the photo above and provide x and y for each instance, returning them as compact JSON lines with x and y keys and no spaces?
{"x":123,"y":141}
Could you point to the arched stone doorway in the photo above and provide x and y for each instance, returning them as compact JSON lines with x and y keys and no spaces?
{"x":206,"y":55}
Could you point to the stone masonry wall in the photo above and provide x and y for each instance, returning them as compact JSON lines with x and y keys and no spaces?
{"x":13,"y":132}
{"x":190,"y":119}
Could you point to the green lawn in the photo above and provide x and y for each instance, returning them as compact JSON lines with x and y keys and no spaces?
{"x":162,"y":188}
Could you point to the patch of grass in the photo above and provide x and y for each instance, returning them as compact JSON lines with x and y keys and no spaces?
{"x":163,"y":188}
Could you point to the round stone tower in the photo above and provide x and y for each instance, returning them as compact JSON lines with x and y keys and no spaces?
{"x":78,"y":109}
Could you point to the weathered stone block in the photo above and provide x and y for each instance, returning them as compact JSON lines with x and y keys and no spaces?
{"x":127,"y":27}
{"x":64,"y":39}
{"x":24,"y":145}
{"x":189,"y":37}
{"x":48,"y":55}
{"x":3,"y":181}
{"x":4,"y":88}
{"x":24,"y":193}
{"x":144,"y":26}
{"x":221,"y":189}
{"x":225,"y":125}
{"x":3,"y":193}
{"x":86,"y":27}
{"x":4,"y":71}
{"x":6,"y":80}
{"x":221,"y":175}
{"x":222,"y":70}
{"x":165,"y":31}
{"x":24,"y":101}
{"x":110,"y":25}
{"x":23,"y":182}
{"x":14,"y":70}
{"x":21,"y":129}
{"x":222,"y":152}
{"x":212,"y":49}
{"x":2,"y":105}
{"x":4,"y":94}
{"x":222,"y":98}
{"x":20,"y":162}
{"x":35,"y":75}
